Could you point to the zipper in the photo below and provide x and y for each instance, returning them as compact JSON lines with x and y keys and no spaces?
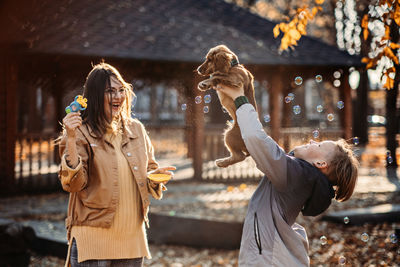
{"x":257,"y":233}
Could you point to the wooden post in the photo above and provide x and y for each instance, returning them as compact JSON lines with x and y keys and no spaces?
{"x":275,"y":104}
{"x":195,"y":122}
{"x":348,"y":109}
{"x":8,"y":123}
{"x":198,"y":132}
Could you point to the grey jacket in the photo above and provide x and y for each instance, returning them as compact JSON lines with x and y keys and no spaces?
{"x":270,"y":235}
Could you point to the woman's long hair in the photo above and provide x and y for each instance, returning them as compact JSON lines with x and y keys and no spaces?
{"x":94,"y":90}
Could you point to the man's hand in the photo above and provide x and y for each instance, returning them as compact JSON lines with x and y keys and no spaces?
{"x":232,"y":92}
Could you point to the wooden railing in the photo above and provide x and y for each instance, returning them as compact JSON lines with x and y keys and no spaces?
{"x":36,"y":162}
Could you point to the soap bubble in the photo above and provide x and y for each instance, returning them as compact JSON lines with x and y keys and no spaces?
{"x":388,"y":153}
{"x":287,"y":99}
{"x":323,"y":240}
{"x":318,"y":78}
{"x":298,"y":80}
{"x":390,"y":159}
{"x":320,"y":108}
{"x":330,"y":117}
{"x":183,"y":107}
{"x":336,"y":83}
{"x":224,"y":110}
{"x":337,"y":74}
{"x":297,"y":109}
{"x":340,"y":104}
{"x":342,"y":260}
{"x":207,"y":99}
{"x":364,"y":237}
{"x":206,"y":109}
{"x":197,"y":99}
{"x":393,"y":238}
{"x":315,"y":133}
{"x":267,"y":118}
{"x":356,"y":141}
{"x":346,"y":220}
{"x":291,"y":96}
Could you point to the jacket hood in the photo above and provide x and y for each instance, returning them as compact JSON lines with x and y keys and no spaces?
{"x":321,"y":194}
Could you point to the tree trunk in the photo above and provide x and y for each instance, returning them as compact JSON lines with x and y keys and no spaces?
{"x":392,"y":122}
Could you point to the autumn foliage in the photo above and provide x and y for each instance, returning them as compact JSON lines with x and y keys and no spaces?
{"x":386,"y":48}
{"x":293,"y":30}
{"x":386,"y":12}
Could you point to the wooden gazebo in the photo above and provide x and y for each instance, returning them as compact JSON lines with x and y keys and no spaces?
{"x":51,"y":45}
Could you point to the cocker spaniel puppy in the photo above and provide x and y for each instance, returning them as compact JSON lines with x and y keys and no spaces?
{"x":223,"y":67}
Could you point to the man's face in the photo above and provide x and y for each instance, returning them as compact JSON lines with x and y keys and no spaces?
{"x":316,"y":151}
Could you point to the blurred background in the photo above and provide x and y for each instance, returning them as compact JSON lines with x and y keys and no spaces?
{"x":319,"y":89}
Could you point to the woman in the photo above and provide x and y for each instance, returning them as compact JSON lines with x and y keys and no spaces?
{"x":105,"y":159}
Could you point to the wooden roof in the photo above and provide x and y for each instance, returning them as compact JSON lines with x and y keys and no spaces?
{"x":159,"y":30}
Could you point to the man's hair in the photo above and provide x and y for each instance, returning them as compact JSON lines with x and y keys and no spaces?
{"x":343,"y":169}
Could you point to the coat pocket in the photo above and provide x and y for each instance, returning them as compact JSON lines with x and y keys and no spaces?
{"x":257,"y":233}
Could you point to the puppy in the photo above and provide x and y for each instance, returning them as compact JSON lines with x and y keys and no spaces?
{"x":223,"y":67}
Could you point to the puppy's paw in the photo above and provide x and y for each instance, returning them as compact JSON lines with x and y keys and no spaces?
{"x":203,"y":86}
{"x":222,"y":163}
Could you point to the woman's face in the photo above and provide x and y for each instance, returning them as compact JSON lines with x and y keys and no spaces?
{"x":114,"y":97}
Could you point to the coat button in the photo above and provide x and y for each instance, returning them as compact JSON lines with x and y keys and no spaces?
{"x":135,"y":168}
{"x":129,"y":154}
{"x":141,"y":184}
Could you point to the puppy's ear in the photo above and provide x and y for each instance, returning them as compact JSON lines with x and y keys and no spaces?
{"x":222,"y":62}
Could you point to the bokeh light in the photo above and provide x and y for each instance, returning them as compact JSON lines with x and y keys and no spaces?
{"x":206,"y":109}
{"x":320,"y":108}
{"x":298,"y":80}
{"x":315,"y":133}
{"x":342,"y":260}
{"x":364,"y":237}
{"x":267,"y":118}
{"x":346,"y":220}
{"x":340,"y":104}
{"x":197,"y":99}
{"x":297,"y":109}
{"x":207,"y":99}
{"x":183,"y":107}
{"x":323,"y":240}
{"x":318,"y":78}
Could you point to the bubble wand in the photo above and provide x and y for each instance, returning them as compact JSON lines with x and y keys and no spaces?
{"x":79,"y":103}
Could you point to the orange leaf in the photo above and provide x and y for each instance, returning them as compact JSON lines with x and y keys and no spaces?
{"x":276,"y":30}
{"x":319,"y":2}
{"x":364,"y":21}
{"x":396,"y":15}
{"x":365,"y":60}
{"x":389,"y":53}
{"x":294,"y":34}
{"x":283,"y":27}
{"x":394,"y":45}
{"x":389,"y":83}
{"x":387,"y":32}
{"x":365,"y":33}
{"x":302,"y":29}
{"x":314,"y":10}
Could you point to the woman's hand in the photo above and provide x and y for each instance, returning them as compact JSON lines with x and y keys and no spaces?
{"x":71,"y":122}
{"x":232,"y":92}
{"x":164,"y":170}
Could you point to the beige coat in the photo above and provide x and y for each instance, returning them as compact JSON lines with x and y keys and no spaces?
{"x":93,"y":184}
